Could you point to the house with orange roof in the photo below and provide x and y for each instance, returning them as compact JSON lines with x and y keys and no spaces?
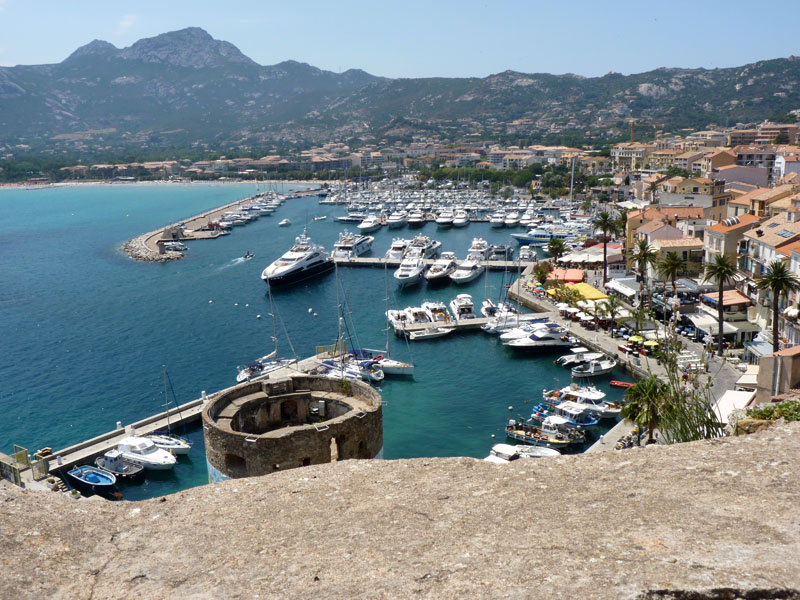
{"x":702,"y":192}
{"x":758,"y":201}
{"x":671,"y":215}
{"x":689,"y":249}
{"x":725,"y":236}
{"x":715,"y":160}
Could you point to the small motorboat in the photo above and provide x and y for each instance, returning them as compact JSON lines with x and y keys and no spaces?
{"x":114,"y":462}
{"x":621,"y":384}
{"x":144,"y":450}
{"x":320,"y":218}
{"x":248,"y":255}
{"x":91,"y":478}
{"x":170,"y":443}
{"x":503,"y":453}
{"x":594,"y":368}
{"x":284,"y":223}
{"x":429,"y":333}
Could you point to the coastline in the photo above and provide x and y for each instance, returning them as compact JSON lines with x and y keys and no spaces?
{"x":145,"y":247}
{"x":99,"y":182}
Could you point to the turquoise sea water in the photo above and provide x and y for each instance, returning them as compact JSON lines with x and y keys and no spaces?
{"x":86,"y":330}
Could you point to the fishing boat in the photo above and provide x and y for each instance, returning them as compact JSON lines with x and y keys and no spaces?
{"x":594,"y":368}
{"x":575,"y":415}
{"x":429,"y":333}
{"x":587,"y":396}
{"x":304,"y":260}
{"x":546,"y":435}
{"x":145,"y":452}
{"x":92,"y":479}
{"x":114,"y":462}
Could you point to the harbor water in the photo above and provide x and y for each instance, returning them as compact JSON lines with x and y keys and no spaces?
{"x":86,"y":329}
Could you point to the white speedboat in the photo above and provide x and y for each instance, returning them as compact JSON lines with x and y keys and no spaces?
{"x":460,"y":218}
{"x":145,"y":452}
{"x":587,"y":396}
{"x":410,"y":271}
{"x":171,"y":443}
{"x":462,"y":307}
{"x":577,"y":356}
{"x":429,"y":333}
{"x":261,"y":366}
{"x":442,"y":268}
{"x":398,"y":249}
{"x":594,"y":368}
{"x":526,"y":253}
{"x":504,"y":453}
{"x":551,"y":337}
{"x":497,"y":219}
{"x":512,"y":219}
{"x":284,"y":223}
{"x":351,"y":245}
{"x":304,"y":260}
{"x":370,"y":224}
{"x":468,"y":270}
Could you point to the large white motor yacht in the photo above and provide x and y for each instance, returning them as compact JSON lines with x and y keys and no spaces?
{"x":351,"y":245}
{"x":304,"y":260}
{"x":551,"y":337}
{"x":462,"y":307}
{"x":370,"y":224}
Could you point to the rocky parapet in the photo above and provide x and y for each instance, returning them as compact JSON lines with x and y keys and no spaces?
{"x":711,"y":519}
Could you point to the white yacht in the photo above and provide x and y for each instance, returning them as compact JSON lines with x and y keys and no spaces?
{"x":438,"y":312}
{"x":171,"y":443}
{"x":480,"y":247}
{"x":304,"y":260}
{"x":397,"y":219}
{"x":505,"y":453}
{"x":144,"y":451}
{"x":398,"y":249}
{"x":411,"y":315}
{"x":427,"y":247}
{"x":351,"y":245}
{"x":445,"y":218}
{"x":462,"y":307}
{"x":551,"y":337}
{"x":460,"y":218}
{"x":442,"y":268}
{"x":594,"y":368}
{"x":369,"y":224}
{"x":468,"y":270}
{"x":416,"y":218}
{"x":284,"y":223}
{"x":410,"y":271}
{"x":577,"y":356}
{"x":497,"y":219}
{"x":512,"y":219}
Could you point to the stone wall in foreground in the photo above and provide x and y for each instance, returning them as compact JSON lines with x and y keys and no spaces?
{"x":715,"y":519}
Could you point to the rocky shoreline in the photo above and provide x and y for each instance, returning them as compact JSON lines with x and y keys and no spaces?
{"x":138,"y":249}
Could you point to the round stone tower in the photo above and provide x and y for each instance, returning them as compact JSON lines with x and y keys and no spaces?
{"x":260,"y":427}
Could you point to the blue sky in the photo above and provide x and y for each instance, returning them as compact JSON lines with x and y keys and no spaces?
{"x":413,"y":38}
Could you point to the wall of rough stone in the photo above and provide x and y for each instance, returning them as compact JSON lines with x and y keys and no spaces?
{"x":236,"y":453}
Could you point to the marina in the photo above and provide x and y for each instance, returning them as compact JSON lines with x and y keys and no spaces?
{"x":216,"y":295}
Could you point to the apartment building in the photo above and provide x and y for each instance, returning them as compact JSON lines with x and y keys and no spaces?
{"x":725,"y":237}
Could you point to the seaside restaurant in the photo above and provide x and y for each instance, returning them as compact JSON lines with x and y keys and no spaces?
{"x":736,"y":329}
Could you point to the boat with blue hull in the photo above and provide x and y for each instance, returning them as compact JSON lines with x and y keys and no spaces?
{"x":92,"y":479}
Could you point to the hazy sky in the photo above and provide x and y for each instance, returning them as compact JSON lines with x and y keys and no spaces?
{"x":413,"y":38}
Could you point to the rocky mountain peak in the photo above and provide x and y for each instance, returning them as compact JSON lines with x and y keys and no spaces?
{"x":192,"y":48}
{"x":94,"y":48}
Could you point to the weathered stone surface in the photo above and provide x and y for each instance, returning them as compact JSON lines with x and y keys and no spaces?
{"x":717,"y":518}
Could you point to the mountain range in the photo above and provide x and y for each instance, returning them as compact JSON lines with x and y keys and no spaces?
{"x":185,"y":87}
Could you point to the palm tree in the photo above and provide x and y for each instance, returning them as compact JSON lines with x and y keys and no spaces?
{"x":556,"y":248}
{"x":541,"y":271}
{"x":621,"y":226}
{"x":779,"y":280}
{"x":643,"y":255}
{"x":669,"y":267}
{"x":723,"y":271}
{"x":606,"y":223}
{"x":612,"y":309}
{"x":652,"y":187}
{"x":645,"y":403}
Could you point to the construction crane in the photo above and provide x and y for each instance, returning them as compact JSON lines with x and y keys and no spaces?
{"x":633,"y":123}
